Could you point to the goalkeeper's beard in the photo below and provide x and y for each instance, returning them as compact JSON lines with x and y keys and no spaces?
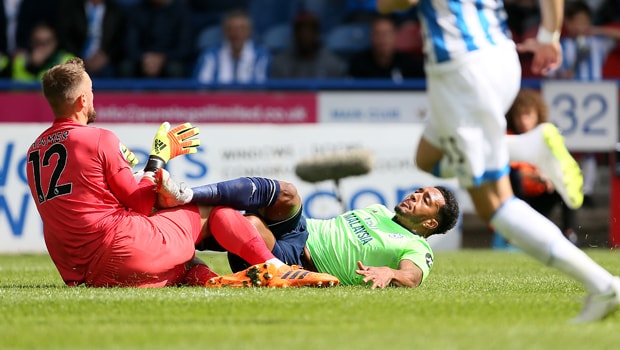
{"x":91,"y":115}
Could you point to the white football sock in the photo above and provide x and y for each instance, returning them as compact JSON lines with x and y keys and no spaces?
{"x":536,"y":235}
{"x":277,"y":262}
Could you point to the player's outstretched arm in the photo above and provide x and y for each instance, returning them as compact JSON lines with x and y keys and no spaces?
{"x":170,"y":143}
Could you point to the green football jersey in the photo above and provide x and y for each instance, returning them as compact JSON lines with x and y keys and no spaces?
{"x":368,"y":235}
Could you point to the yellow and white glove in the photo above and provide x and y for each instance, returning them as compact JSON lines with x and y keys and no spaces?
{"x":130,"y":157}
{"x":170,"y":143}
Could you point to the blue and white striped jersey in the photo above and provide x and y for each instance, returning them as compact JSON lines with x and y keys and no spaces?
{"x":452,"y":28}
{"x":584,"y":57}
{"x":216,"y":65}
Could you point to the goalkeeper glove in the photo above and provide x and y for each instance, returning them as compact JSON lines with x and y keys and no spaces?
{"x":130,"y":157}
{"x":169,"y":192}
{"x":168,"y":144}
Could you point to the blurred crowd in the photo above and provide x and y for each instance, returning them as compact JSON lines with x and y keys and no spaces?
{"x":250,"y":41}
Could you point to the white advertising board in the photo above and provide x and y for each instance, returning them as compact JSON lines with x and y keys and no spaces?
{"x":229,"y":151}
{"x":373,"y":107}
{"x":585,"y":112}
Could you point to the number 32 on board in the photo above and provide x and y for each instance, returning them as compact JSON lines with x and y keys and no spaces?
{"x":585,"y":112}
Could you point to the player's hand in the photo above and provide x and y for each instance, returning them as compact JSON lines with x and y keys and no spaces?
{"x":138,"y":175}
{"x":170,"y":143}
{"x":129,"y":156}
{"x":379,"y":276}
{"x":547,"y":57}
{"x":169,"y":192}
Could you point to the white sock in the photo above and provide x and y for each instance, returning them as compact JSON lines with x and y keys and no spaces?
{"x":277,"y":262}
{"x":536,"y":235}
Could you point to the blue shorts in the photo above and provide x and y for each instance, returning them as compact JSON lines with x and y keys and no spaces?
{"x":291,"y":237}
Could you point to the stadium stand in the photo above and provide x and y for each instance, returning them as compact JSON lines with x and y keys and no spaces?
{"x":409,"y":38}
{"x":277,"y":37}
{"x":611,"y":67}
{"x":347,"y":39}
{"x":278,"y":12}
{"x":331,"y":12}
{"x":209,"y":36}
{"x":206,"y":13}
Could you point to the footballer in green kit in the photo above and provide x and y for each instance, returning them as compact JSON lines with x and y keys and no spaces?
{"x":372,"y":245}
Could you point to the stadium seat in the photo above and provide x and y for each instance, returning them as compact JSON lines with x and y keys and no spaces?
{"x":409,"y":38}
{"x":611,"y":66}
{"x":330,"y":12}
{"x":202,"y":20}
{"x":268,"y":13}
{"x":127,"y":5}
{"x":208,"y":37}
{"x":206,"y":13}
{"x":347,"y":39}
{"x":127,"y":2}
{"x":277,"y":38}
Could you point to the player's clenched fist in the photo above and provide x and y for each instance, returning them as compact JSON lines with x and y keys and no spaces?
{"x":169,"y":143}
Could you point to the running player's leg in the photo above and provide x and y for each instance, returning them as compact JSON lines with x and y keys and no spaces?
{"x":471,"y":130}
{"x":544,"y":147}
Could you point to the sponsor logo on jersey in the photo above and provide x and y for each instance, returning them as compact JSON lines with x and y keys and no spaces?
{"x":429,"y":260}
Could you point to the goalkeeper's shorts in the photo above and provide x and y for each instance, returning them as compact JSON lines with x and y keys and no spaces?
{"x":149,"y":251}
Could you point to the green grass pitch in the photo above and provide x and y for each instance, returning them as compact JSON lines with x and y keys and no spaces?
{"x":474,"y":299}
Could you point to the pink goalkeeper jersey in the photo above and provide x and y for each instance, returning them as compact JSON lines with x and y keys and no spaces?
{"x":82,"y":187}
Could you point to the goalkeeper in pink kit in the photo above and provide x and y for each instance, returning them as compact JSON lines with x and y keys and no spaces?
{"x":95,"y":215}
{"x":99,"y":224}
